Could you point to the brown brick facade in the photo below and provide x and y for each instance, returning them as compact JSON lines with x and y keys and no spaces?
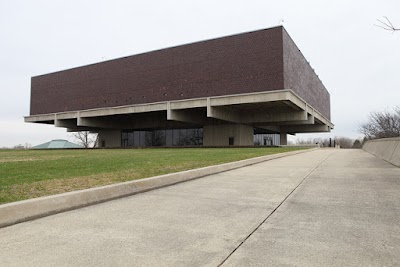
{"x":249,"y":62}
{"x":301,"y":78}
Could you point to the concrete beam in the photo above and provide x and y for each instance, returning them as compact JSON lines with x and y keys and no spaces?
{"x":232,"y":115}
{"x":296,"y":100}
{"x":73,"y":130}
{"x":295,"y":116}
{"x":68,"y":115}
{"x":80,"y":129}
{"x":100,"y":123}
{"x":188,"y":103}
{"x":69,"y":123}
{"x":184,"y":116}
{"x":310,"y":120}
{"x":318,"y":116}
{"x":295,"y":128}
{"x":139,"y":123}
{"x":187,"y":115}
{"x":271,"y":128}
{"x":40,"y":118}
{"x":297,"y":106}
{"x":305,"y":128}
{"x":223,"y":114}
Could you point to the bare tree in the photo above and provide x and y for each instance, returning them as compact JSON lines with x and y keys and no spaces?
{"x":344,"y":142}
{"x":357,"y":144}
{"x":155,"y":138}
{"x":322,"y":142}
{"x":382,"y":124}
{"x":86,"y":139}
{"x":386,"y":25}
{"x":21,"y":146}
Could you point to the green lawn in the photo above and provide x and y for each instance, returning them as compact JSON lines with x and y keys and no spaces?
{"x":32,"y":173}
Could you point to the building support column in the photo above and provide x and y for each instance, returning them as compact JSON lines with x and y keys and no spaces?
{"x":109,"y":138}
{"x":283,"y":139}
{"x":228,"y":134}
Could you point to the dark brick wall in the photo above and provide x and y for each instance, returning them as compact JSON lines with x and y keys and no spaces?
{"x":301,"y":78}
{"x":243,"y":63}
{"x":263,"y":60}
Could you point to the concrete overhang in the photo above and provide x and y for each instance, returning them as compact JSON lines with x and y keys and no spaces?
{"x":281,"y":110}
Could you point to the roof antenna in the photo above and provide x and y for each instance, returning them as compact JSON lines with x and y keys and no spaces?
{"x":281,"y":21}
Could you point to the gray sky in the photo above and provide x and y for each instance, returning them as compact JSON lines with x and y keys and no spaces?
{"x":357,"y":62}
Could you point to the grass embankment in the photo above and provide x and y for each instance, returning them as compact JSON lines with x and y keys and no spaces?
{"x":27,"y":174}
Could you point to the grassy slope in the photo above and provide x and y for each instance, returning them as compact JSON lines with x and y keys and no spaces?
{"x":34,"y":173}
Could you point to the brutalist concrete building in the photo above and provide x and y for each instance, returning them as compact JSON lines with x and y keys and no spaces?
{"x":248,"y":89}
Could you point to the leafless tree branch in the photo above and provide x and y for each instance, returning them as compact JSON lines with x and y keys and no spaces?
{"x":383,"y":124}
{"x":86,"y":139}
{"x":386,"y":25}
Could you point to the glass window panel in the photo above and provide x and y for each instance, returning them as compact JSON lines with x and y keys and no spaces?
{"x":175,"y":137}
{"x":168,"y":137}
{"x":136,"y":139}
{"x":142,"y":139}
{"x":130,"y":139}
{"x":158,"y":138}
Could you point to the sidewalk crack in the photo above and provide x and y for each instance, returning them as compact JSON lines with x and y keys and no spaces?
{"x":276,"y":208}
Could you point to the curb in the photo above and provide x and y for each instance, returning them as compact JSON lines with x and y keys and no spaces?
{"x":26,"y":210}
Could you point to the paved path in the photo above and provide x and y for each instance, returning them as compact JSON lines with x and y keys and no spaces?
{"x":326,"y":207}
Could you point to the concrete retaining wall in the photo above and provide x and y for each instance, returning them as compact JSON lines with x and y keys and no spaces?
{"x":26,"y":210}
{"x":387,"y":149}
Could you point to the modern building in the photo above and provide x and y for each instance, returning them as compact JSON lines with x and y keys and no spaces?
{"x":245,"y":89}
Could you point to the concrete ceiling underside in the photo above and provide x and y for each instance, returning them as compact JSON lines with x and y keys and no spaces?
{"x":276,"y":111}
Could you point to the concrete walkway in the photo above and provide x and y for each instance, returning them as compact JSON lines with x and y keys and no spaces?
{"x":326,"y":207}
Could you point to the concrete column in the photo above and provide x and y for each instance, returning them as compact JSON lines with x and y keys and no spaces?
{"x":283,"y":139}
{"x":220,"y":135}
{"x":110,"y":138}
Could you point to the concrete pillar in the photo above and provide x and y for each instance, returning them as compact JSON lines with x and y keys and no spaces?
{"x":109,"y":138}
{"x":283,"y":139}
{"x":222,"y":135}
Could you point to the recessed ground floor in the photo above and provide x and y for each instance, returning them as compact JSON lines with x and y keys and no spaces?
{"x":184,"y":137}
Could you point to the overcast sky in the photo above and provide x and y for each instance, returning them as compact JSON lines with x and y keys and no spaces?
{"x":357,"y":62}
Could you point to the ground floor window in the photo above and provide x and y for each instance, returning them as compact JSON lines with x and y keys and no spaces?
{"x":184,"y":137}
{"x":266,"y":139}
{"x":170,"y":137}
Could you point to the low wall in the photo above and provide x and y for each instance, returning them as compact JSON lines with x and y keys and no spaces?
{"x":387,"y":149}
